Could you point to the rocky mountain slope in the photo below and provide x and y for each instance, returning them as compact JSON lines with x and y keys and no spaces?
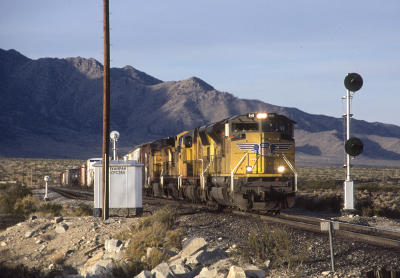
{"x":53,"y":108}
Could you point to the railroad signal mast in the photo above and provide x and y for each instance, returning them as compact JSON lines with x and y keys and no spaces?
{"x":353,"y":146}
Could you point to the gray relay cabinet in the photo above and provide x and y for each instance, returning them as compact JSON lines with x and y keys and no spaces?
{"x":125,"y":186}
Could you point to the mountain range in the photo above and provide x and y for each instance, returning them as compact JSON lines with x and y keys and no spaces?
{"x":52,"y":108}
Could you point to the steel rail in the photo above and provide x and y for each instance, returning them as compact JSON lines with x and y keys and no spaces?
{"x":73,"y":194}
{"x":372,"y":235}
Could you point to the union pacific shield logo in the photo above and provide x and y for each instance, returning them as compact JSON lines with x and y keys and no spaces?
{"x":265,"y":148}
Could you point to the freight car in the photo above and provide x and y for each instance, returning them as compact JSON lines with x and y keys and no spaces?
{"x":81,"y":176}
{"x":246,"y":161}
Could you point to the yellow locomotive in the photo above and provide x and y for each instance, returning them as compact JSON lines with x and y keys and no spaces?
{"x":246,"y":161}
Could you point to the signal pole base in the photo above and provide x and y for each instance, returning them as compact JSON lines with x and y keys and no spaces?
{"x":348,"y":195}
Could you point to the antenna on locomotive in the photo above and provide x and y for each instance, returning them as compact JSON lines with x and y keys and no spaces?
{"x":114,"y":136}
{"x":353,"y":146}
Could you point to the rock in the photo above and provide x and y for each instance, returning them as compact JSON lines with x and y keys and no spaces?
{"x":92,"y":261}
{"x":58,"y":219}
{"x":162,"y":271}
{"x":179,"y":268}
{"x":176,"y":259}
{"x":3,"y":243}
{"x":267,"y":263}
{"x":236,"y":272}
{"x":39,"y":241}
{"x":206,"y":257}
{"x":61,"y":228}
{"x":144,"y":274}
{"x":42,"y":248}
{"x":33,"y":217}
{"x":170,"y":253}
{"x":29,"y":234}
{"x":109,"y":221}
{"x":325,"y":273}
{"x":113,"y":245}
{"x":101,"y":268}
{"x":51,"y":267}
{"x":206,"y":273}
{"x":254,"y":273}
{"x":193,"y":245}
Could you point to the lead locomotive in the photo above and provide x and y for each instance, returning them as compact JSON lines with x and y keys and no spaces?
{"x":246,"y":161}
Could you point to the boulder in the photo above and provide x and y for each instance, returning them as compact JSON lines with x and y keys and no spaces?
{"x":144,"y":274}
{"x":193,"y":245}
{"x":162,"y":271}
{"x":206,"y":258}
{"x":206,"y":273}
{"x":236,"y":272}
{"x":113,"y":245}
{"x":254,"y":273}
{"x":179,"y":268}
{"x":102,"y":268}
{"x":61,"y":228}
{"x":58,"y":219}
{"x":29,"y":234}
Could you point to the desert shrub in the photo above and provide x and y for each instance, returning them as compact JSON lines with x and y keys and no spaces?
{"x":328,"y":202}
{"x":11,"y":193}
{"x":314,"y":185}
{"x":173,"y":239}
{"x":374,"y":187}
{"x":274,"y":244}
{"x":82,"y":210}
{"x":50,"y":209}
{"x":371,"y":187}
{"x":156,"y":257}
{"x":29,"y":204}
{"x":152,"y":231}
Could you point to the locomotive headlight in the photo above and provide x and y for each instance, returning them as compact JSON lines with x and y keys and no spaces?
{"x":249,"y":169}
{"x":281,"y":169}
{"x":262,"y":116}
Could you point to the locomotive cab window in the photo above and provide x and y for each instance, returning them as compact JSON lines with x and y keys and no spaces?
{"x":238,"y":127}
{"x":188,"y":141}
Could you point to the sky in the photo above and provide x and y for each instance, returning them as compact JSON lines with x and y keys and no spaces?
{"x":290,"y":53}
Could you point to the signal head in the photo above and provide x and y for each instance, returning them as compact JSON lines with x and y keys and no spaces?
{"x":353,"y":82}
{"x":354,"y":146}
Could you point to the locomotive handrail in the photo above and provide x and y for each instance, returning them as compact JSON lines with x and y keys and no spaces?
{"x":234,"y":169}
{"x":291,"y":168}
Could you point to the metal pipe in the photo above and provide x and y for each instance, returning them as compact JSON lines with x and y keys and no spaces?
{"x":106,"y":109}
{"x":331,"y":245}
{"x":348,"y":134}
{"x":234,"y":169}
{"x":293,"y":170}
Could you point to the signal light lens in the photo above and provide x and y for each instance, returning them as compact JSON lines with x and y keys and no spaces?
{"x":249,"y":169}
{"x":261,"y":116}
{"x":281,"y":169}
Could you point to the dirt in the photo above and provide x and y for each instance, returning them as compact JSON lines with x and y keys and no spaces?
{"x":47,"y":250}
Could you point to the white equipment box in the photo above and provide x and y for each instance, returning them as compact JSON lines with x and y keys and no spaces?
{"x":125,"y":185}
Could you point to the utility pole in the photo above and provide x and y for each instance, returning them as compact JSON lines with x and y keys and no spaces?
{"x":106,"y":109}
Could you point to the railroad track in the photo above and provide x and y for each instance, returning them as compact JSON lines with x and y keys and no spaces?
{"x":373,"y":235}
{"x":73,"y":193}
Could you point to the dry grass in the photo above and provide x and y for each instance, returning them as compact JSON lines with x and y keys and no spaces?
{"x":154,"y":232}
{"x":273,"y":244}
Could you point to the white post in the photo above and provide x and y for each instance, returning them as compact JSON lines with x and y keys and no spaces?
{"x":348,"y":184}
{"x":46,"y":179}
{"x":114,"y":150}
